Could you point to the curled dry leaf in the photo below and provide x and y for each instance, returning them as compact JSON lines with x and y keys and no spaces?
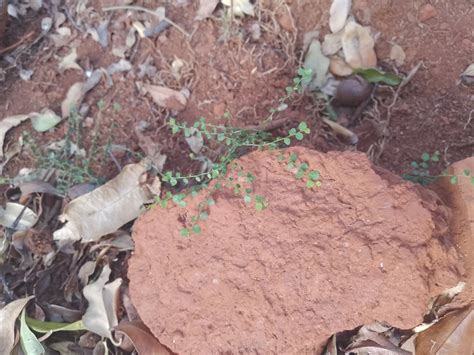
{"x":444,"y":298}
{"x":338,"y":13}
{"x":166,"y":97}
{"x":141,"y":338}
{"x":241,"y":7}
{"x":397,"y":54}
{"x":121,"y":66}
{"x":45,"y":120}
{"x":103,"y":299}
{"x":37,"y":186}
{"x":69,"y":62}
{"x":8,"y":123}
{"x":358,"y":46}
{"x":468,"y":76}
{"x":318,"y":63}
{"x":206,"y":8}
{"x":77,"y":92}
{"x":107,"y":208}
{"x":195,"y":140}
{"x":17,"y":216}
{"x":8,"y":317}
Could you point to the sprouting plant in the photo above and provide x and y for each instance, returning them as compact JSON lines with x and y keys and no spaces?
{"x":67,"y":159}
{"x":225,"y":172}
{"x":420,"y":172}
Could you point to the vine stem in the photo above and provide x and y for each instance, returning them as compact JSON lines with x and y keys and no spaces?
{"x":148,"y":11}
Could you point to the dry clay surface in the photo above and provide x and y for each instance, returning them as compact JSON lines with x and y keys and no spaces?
{"x":364,"y":246}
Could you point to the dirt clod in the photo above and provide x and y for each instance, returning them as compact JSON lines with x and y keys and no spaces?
{"x":427,"y":12}
{"x":359,"y":248}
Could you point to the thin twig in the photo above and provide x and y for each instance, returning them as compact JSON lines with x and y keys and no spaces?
{"x":148,"y":11}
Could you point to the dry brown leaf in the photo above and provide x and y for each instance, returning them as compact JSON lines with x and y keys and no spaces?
{"x":142,"y":339}
{"x":9,"y":216}
{"x":206,"y":8}
{"x":69,"y":62}
{"x":358,"y":46}
{"x":453,"y":334}
{"x":8,"y":316}
{"x":77,"y":92}
{"x":107,"y":208}
{"x":240,"y":7}
{"x":166,"y":97}
{"x":31,"y":187}
{"x":468,"y":76}
{"x":6,"y":124}
{"x":101,"y":313}
{"x":338,"y":13}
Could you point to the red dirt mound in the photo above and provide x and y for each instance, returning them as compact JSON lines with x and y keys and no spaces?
{"x":364,"y":246}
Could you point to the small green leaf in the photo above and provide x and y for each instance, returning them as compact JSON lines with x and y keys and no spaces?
{"x":287,"y":141}
{"x":299,"y":174}
{"x":258,"y":206}
{"x":454,"y":180}
{"x":299,"y":136}
{"x":304,"y":166}
{"x":293,"y":157}
{"x":290,"y":165}
{"x":184,"y":232}
{"x":247,"y":199}
{"x":173,"y":181}
{"x":211,"y":202}
{"x":203,"y":216}
{"x":292,"y":131}
{"x":425,"y":156}
{"x":310,"y":184}
{"x":196,"y":229}
{"x":435,"y":158}
{"x":251,"y":178}
{"x":466,"y":172}
{"x":314,"y":175}
{"x":221,"y":137}
{"x":472,"y":180}
{"x":424,"y":165}
{"x":280,"y":157}
{"x":414,"y":164}
{"x":302,"y":126}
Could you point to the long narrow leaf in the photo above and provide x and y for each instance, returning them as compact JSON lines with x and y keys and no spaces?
{"x":29,"y":343}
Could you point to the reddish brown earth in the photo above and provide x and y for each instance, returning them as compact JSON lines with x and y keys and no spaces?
{"x":364,"y":246}
{"x":245,"y":77}
{"x":460,"y":198}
